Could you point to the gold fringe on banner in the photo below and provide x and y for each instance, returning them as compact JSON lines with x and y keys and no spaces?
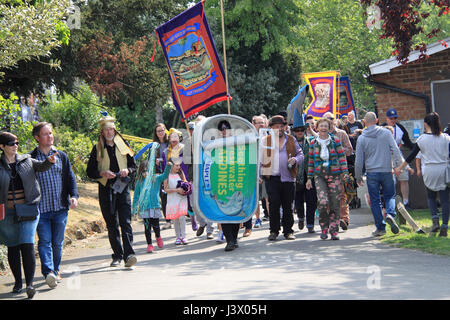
{"x":137,"y":139}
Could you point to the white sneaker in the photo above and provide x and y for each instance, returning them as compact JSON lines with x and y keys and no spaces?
{"x":220,"y":237}
{"x":391,"y":221}
{"x":51,"y":280}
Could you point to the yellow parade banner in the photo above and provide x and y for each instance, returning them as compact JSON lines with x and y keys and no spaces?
{"x":323,"y":89}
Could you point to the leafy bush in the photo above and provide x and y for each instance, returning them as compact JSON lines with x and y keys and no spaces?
{"x":80,"y":112}
{"x":11,"y":121}
{"x":78,"y":148}
{"x":137,"y":122}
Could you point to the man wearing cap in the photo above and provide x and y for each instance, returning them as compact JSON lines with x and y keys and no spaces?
{"x":302,"y":194}
{"x":401,"y":137}
{"x":279,"y":164}
{"x":111,"y":159}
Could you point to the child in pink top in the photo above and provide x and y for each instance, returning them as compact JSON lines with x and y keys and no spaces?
{"x":177,"y":204}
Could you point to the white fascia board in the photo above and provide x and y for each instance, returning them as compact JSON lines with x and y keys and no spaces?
{"x":387,"y":65}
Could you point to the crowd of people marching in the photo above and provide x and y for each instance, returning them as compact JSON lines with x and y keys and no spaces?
{"x":308,"y":173}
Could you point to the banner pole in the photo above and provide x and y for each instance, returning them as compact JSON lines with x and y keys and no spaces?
{"x":225,"y":55}
{"x":338,"y":86}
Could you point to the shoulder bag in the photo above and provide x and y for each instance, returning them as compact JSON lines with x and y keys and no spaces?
{"x":24,"y":212}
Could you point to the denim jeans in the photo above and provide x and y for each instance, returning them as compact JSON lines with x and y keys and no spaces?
{"x":385,"y":180}
{"x":432,"y":204}
{"x":50,"y":230}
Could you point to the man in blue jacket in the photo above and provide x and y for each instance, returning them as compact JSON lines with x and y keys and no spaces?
{"x":58,"y":194}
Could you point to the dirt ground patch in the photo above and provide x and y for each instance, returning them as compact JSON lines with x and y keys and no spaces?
{"x":86,"y":219}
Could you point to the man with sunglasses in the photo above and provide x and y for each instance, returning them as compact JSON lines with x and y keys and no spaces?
{"x":302,"y":194}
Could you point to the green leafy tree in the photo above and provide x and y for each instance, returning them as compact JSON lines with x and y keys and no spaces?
{"x":140,"y":122}
{"x":79,"y":112}
{"x":11,"y":121}
{"x":77,"y":146}
{"x":30,"y":29}
{"x":263,"y":74}
{"x":333,"y":36}
{"x":115,"y":46}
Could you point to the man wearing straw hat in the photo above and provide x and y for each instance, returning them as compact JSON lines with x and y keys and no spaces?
{"x":110,"y":163}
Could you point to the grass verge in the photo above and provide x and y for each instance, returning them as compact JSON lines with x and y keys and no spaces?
{"x":428,"y":242}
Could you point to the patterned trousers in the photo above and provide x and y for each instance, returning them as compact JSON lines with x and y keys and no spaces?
{"x":329,"y":193}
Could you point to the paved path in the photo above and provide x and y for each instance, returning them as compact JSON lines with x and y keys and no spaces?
{"x":356,"y":267}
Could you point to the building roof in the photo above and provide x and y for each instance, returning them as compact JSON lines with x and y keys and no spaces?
{"x":387,"y":65}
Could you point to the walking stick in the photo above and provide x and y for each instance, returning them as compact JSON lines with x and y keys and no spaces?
{"x":404,"y":213}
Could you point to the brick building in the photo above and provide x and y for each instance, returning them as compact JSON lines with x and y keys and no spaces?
{"x":414,"y":89}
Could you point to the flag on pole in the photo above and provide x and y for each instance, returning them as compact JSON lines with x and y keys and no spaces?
{"x":196,"y":73}
{"x":297,"y":103}
{"x":345,"y":101}
{"x":323,"y":89}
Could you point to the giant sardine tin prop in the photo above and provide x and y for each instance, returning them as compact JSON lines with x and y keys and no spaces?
{"x":225,"y":170}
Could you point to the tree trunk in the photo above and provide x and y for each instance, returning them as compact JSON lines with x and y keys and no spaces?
{"x":175,"y":120}
{"x":159,"y":114}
